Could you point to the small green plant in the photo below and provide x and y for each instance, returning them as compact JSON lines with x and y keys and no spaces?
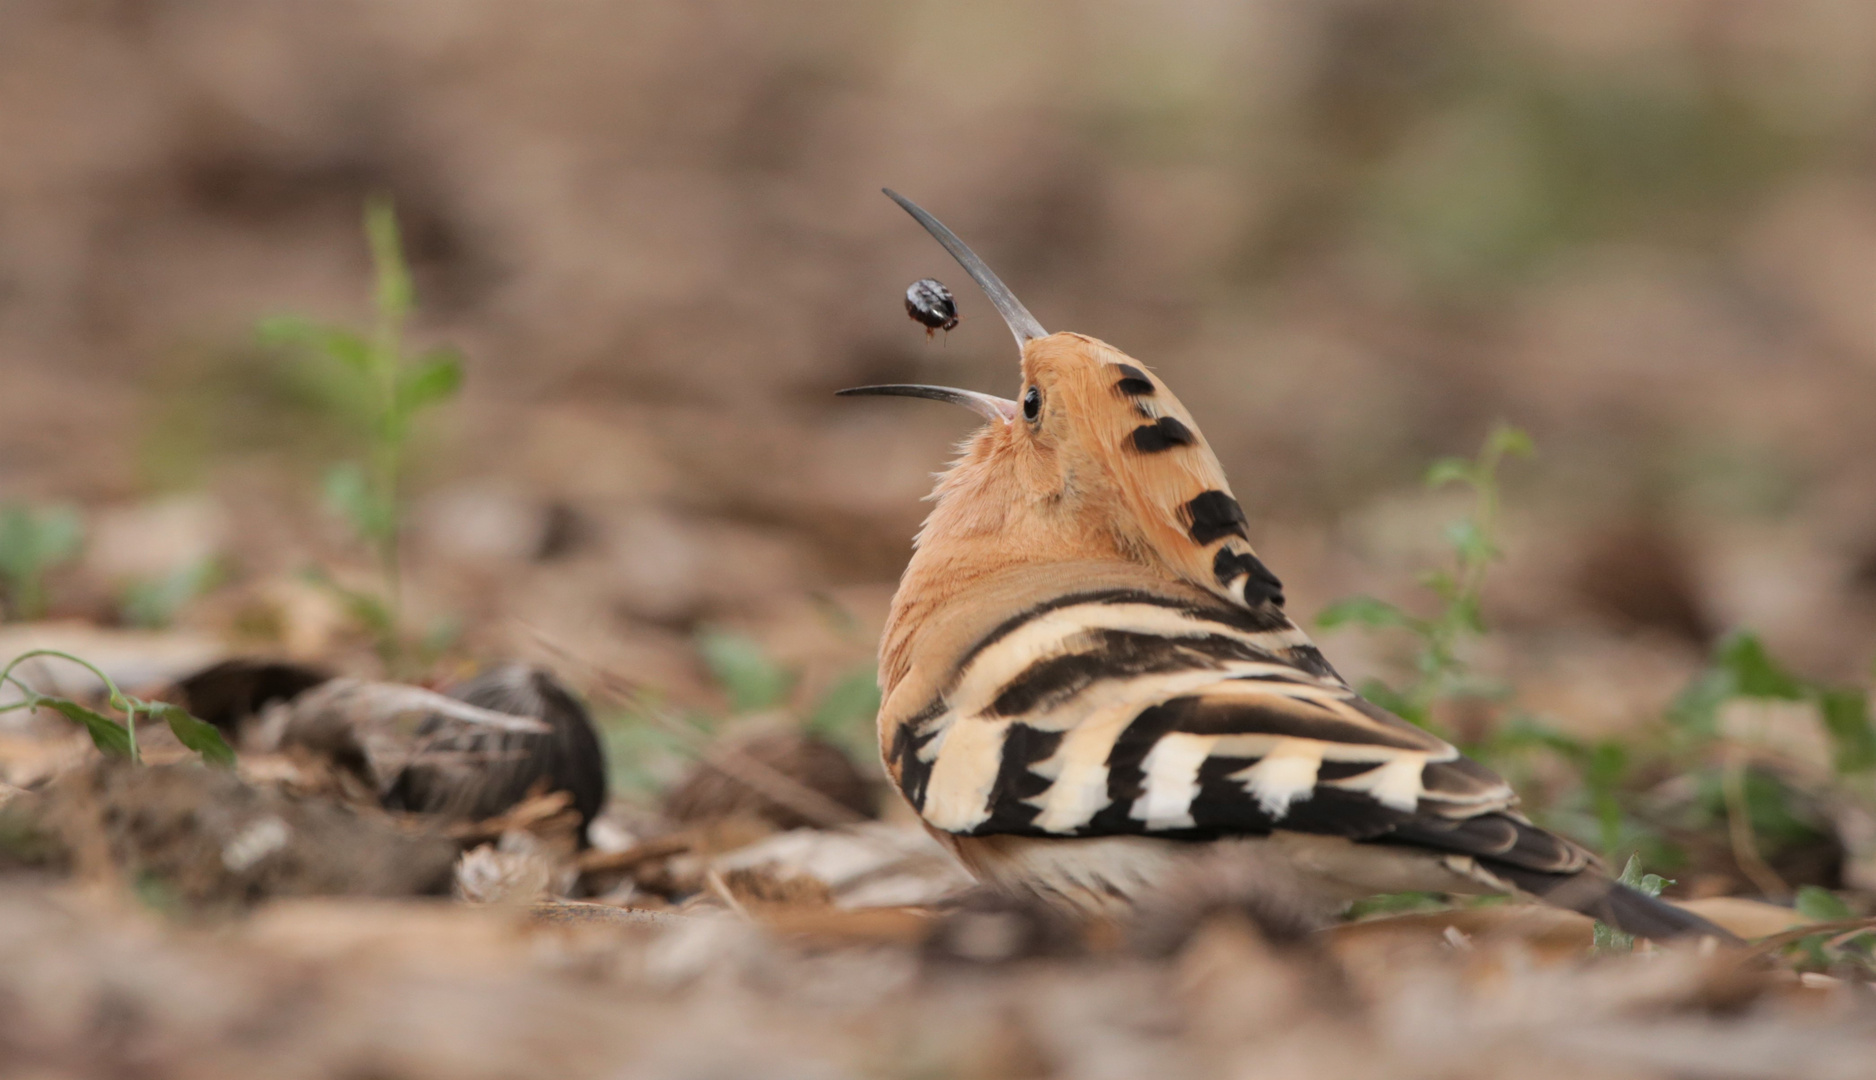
{"x":846,"y":713}
{"x":755,"y":682}
{"x":153,"y":603}
{"x":372,"y":383}
{"x":1607,"y":938}
{"x":744,"y":670}
{"x":1743,"y":668}
{"x":1438,"y":669}
{"x":648,"y":743}
{"x":1848,"y":949}
{"x":32,"y":542}
{"x":1753,"y":801}
{"x":1671,"y":793}
{"x":111,"y":737}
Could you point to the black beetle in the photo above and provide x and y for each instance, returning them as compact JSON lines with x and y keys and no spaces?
{"x":931,"y":304}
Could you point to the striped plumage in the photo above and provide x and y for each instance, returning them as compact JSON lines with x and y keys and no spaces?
{"x":1088,"y":674}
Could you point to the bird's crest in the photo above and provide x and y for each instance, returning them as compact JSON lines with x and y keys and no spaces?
{"x":1170,"y":502}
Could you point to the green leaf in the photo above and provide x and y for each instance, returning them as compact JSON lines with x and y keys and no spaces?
{"x":1450,"y":470}
{"x":852,"y":702}
{"x":1820,"y":904}
{"x":1697,"y":708}
{"x":299,"y":332}
{"x":33,"y":541}
{"x":154,"y":604}
{"x":1607,"y":765}
{"x":752,"y":680}
{"x":1607,"y":938}
{"x":1361,"y":611}
{"x":106,"y":734}
{"x":1440,"y":583}
{"x":1845,"y":712}
{"x":1754,"y":673}
{"x":349,"y":494}
{"x":197,"y":735}
{"x":433,"y":377}
{"x":1380,"y":693}
{"x":61,"y":531}
{"x":1464,"y":612}
{"x":1508,"y":440}
{"x":23,"y":547}
{"x":1471,"y":542}
{"x":368,"y":611}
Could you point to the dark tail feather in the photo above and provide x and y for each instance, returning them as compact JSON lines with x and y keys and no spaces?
{"x":1612,"y":902}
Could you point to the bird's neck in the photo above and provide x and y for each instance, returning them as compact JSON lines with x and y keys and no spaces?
{"x":988,"y":525}
{"x":944,"y":583}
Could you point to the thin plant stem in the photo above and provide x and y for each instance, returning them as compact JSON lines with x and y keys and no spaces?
{"x":118,"y":699}
{"x":1739,"y":829}
{"x":387,"y":349}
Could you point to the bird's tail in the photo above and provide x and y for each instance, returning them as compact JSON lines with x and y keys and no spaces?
{"x":1628,"y":910}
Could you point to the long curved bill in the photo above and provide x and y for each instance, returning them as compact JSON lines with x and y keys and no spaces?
{"x":1015,"y":315}
{"x":988,"y":406}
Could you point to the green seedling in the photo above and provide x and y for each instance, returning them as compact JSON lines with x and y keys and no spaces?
{"x":32,"y":542}
{"x":1438,"y":669}
{"x":113,"y":738}
{"x":648,"y":743}
{"x":1851,"y":951}
{"x":1758,"y":809}
{"x":1607,"y":938}
{"x":1742,"y":667}
{"x":153,"y":603}
{"x":377,"y":388}
{"x":847,"y":711}
{"x":1602,"y":769}
{"x":751,"y":678}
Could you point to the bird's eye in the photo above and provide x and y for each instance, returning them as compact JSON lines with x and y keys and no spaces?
{"x":1032,"y":404}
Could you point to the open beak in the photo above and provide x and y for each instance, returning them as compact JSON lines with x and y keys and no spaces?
{"x":1015,"y":315}
{"x":985,"y":405}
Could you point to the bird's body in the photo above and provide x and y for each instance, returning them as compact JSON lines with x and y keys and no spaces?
{"x":1064,"y":750}
{"x":1088,"y":676}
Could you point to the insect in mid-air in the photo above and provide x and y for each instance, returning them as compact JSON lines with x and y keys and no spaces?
{"x":1088,"y":675}
{"x":931,"y":305}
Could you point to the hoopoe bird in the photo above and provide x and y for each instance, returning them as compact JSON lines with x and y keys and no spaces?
{"x":1088,"y":675}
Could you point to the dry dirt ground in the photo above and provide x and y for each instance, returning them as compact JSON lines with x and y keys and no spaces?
{"x":175,"y":919}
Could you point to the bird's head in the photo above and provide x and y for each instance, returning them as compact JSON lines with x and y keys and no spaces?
{"x":1095,"y":459}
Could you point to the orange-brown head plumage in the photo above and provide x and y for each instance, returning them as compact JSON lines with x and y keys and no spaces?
{"x":1101,"y":461}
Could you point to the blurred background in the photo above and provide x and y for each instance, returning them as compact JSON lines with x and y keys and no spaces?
{"x":1352,"y":235}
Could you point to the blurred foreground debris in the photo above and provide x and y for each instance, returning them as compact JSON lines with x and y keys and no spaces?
{"x":203,"y":839}
{"x":469,"y":754}
{"x":788,"y":778}
{"x":475,"y":770}
{"x":429,"y":989}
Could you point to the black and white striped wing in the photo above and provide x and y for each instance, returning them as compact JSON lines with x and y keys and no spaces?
{"x":1130,"y":712}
